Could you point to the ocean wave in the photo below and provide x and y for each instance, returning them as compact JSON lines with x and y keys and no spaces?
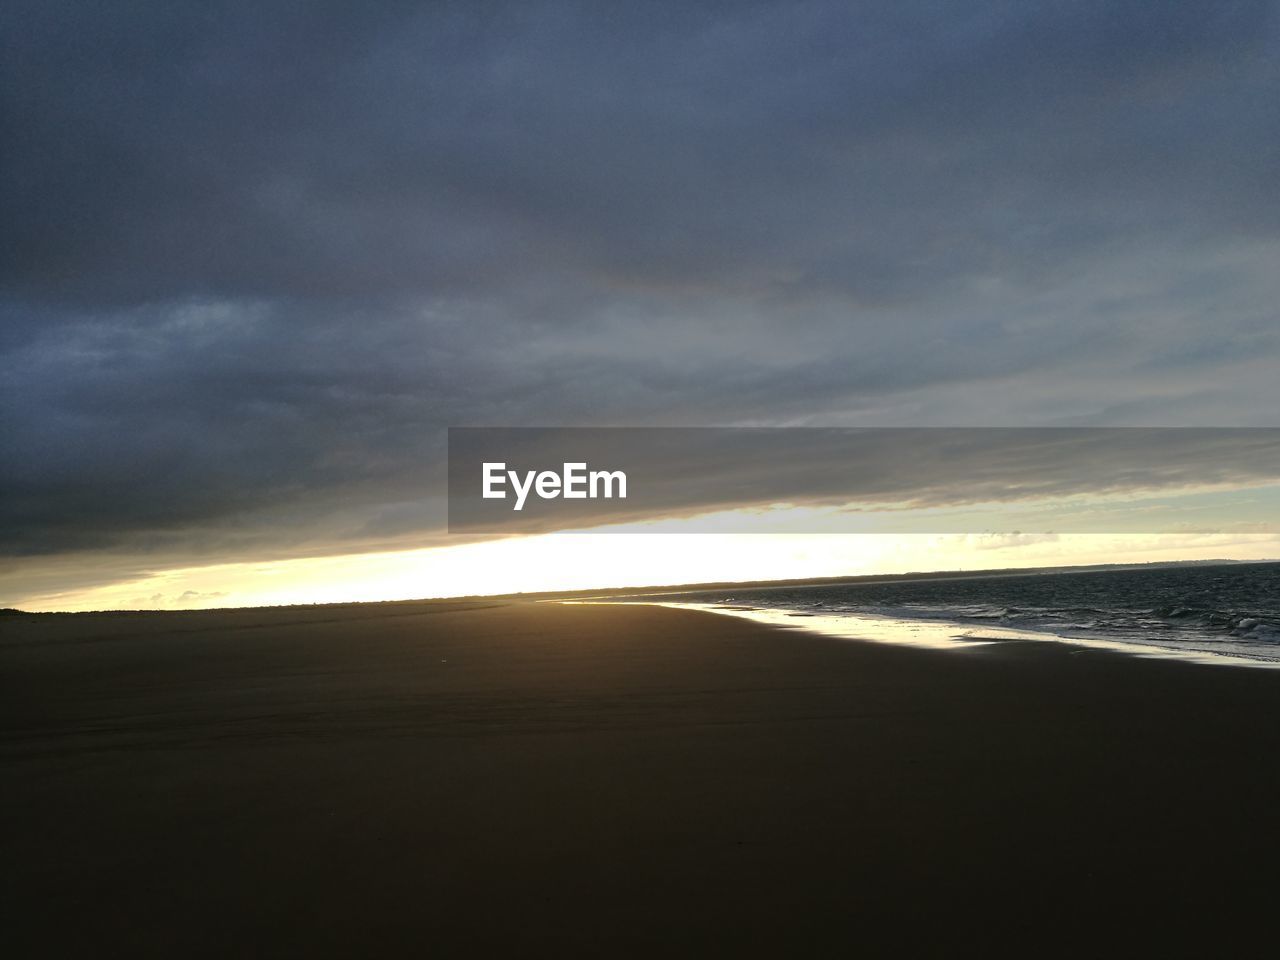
{"x":1228,"y":608}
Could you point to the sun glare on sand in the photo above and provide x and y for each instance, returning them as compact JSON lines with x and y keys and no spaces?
{"x":660,"y":555}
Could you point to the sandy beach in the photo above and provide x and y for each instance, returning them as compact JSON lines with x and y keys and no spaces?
{"x":456,"y":778}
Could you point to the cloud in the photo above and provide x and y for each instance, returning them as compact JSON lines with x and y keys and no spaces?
{"x":1003,"y":541}
{"x":772,"y":148}
{"x":258,"y":258}
{"x":890,"y":480}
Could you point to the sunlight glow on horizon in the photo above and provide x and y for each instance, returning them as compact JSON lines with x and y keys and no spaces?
{"x":573,"y":561}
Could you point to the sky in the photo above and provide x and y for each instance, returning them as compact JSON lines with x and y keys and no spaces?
{"x":258,"y":257}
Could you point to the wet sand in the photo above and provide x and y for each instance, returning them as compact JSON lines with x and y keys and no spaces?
{"x":461,"y":778}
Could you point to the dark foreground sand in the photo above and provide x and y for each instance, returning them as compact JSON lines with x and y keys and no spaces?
{"x":458,"y":779}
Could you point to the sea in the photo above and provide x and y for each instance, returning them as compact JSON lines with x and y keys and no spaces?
{"x":1225,"y":614}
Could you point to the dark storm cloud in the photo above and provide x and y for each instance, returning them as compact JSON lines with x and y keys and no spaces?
{"x":285,"y":150}
{"x":256,"y":257}
{"x":879,"y":478}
